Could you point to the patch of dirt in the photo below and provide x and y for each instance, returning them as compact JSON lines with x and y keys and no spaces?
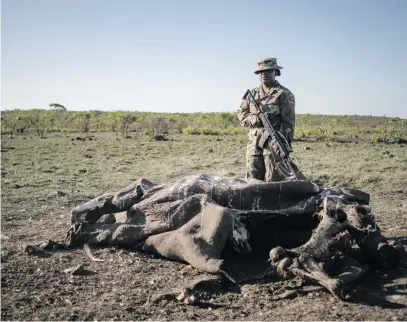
{"x":131,"y":285}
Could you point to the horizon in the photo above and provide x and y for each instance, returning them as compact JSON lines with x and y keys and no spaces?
{"x":339,"y":59}
{"x":207,"y":112}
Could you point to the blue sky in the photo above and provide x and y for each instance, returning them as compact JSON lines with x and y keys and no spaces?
{"x":339,"y":57}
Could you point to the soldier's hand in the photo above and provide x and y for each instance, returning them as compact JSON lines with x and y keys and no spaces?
{"x":255,"y":120}
{"x":276,"y":148}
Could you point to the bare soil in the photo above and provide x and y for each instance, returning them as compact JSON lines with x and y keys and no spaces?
{"x":131,"y":285}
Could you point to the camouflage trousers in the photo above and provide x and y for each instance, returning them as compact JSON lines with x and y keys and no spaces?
{"x":266,"y":165}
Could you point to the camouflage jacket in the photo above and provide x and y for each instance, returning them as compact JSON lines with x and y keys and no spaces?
{"x":279,"y":104}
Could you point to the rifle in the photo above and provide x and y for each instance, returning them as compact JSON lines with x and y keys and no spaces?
{"x":272,"y":139}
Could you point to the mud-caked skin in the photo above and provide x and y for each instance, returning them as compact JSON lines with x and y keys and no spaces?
{"x":193,"y":219}
{"x":328,"y":257}
{"x":278,"y":102}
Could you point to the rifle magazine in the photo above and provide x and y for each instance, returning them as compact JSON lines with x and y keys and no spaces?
{"x":263,"y":139}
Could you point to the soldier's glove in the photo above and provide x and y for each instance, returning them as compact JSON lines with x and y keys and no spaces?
{"x":254,"y":120}
{"x":276,"y":148}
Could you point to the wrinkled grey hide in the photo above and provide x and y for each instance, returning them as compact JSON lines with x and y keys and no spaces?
{"x":193,"y":219}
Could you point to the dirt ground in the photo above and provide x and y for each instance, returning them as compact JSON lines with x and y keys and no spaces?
{"x":131,"y":285}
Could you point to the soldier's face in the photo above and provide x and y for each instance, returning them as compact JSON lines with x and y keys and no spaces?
{"x":267,"y":77}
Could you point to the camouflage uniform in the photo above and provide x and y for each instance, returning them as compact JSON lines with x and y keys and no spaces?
{"x":279,"y":104}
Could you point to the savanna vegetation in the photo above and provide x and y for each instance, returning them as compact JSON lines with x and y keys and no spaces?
{"x":130,"y":124}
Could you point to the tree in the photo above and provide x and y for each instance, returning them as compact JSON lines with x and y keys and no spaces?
{"x":83,"y":119}
{"x":17,"y":122}
{"x":120,"y":121}
{"x":159,"y":126}
{"x":58,"y":107}
{"x":39,"y":120}
{"x":126,"y":121}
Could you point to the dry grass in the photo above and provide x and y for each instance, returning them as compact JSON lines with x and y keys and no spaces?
{"x":33,"y":169}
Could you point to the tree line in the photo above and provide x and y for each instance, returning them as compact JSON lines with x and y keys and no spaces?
{"x":39,"y":122}
{"x":124,"y":123}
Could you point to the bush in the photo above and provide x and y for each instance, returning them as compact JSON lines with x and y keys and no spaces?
{"x":191,"y":131}
{"x":207,"y":131}
{"x":318,"y":133}
{"x":389,"y":136}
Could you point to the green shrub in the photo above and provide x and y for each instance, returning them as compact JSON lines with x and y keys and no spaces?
{"x":208,"y":131}
{"x":318,"y":133}
{"x":390,"y":136}
{"x":191,"y":131}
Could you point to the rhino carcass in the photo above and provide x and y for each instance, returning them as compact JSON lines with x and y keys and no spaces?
{"x":312,"y":231}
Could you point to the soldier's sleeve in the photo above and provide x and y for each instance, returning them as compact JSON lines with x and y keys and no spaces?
{"x":245,"y":117}
{"x":288,"y":114}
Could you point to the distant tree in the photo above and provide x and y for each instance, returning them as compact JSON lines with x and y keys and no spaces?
{"x":126,"y":120}
{"x":112,"y":121}
{"x":158,"y":125}
{"x":58,"y":107}
{"x":38,"y":120}
{"x":120,"y":122}
{"x":17,"y":122}
{"x":83,"y":120}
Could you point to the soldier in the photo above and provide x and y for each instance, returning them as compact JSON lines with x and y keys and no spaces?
{"x":279,"y":104}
